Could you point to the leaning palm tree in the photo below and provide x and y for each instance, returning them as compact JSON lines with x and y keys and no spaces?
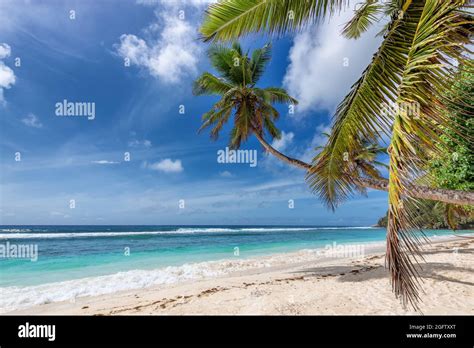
{"x":250,"y":106}
{"x":425,"y":41}
{"x":361,"y":163}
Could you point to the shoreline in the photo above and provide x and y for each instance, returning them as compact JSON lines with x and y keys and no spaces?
{"x":291,"y":286}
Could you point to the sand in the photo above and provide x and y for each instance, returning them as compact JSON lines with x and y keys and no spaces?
{"x":330,"y":286}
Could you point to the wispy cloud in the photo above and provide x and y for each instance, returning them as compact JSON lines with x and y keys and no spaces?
{"x":319,"y":139}
{"x":226,"y":174}
{"x":104,"y":162}
{"x":31,"y":120}
{"x":59,"y":214}
{"x":139,"y":143}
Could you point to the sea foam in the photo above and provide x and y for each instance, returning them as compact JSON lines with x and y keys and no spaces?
{"x":23,"y":234}
{"x":14,"y":297}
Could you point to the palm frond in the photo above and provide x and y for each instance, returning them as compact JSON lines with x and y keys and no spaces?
{"x":278,"y":95}
{"x":227,"y":20}
{"x":230,"y":63}
{"x":208,"y":84}
{"x":360,"y":116}
{"x":259,"y":60}
{"x":217,"y":118}
{"x":363,"y":18}
{"x":433,"y":39}
{"x":250,"y":106}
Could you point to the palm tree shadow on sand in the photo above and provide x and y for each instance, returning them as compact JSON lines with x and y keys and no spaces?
{"x":351,"y":273}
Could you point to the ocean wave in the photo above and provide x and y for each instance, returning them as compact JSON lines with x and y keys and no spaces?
{"x":15,"y":297}
{"x":15,"y":230}
{"x":23,"y":234}
{"x":18,"y":297}
{"x":74,"y":234}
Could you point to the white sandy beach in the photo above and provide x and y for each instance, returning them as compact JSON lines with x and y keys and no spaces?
{"x":329,"y":286}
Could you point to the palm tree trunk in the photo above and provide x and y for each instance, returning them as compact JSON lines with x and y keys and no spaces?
{"x":416,"y":191}
{"x":279,"y":155}
{"x":425,"y":192}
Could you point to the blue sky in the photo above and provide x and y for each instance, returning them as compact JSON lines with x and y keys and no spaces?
{"x":82,"y":59}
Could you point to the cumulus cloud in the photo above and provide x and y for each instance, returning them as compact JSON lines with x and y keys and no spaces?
{"x":324,"y":64}
{"x":168,"y":49}
{"x":7,"y":76}
{"x":5,"y":50}
{"x":167,"y":166}
{"x":31,"y":120}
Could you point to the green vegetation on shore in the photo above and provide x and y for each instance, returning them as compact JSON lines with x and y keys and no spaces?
{"x":432,"y":217}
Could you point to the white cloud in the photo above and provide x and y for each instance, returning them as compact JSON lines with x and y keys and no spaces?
{"x":169,"y":50}
{"x":139,"y":143}
{"x":285,"y":140}
{"x":104,"y":162}
{"x":316,"y":75}
{"x":167,"y":165}
{"x":32,"y":121}
{"x":5,"y":50}
{"x":7,"y":76}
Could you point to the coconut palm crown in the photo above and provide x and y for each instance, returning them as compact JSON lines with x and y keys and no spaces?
{"x":250,"y":106}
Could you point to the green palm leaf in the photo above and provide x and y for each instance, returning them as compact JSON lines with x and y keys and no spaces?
{"x":208,"y":84}
{"x":363,"y":18}
{"x":260,"y":58}
{"x":227,"y":20}
{"x":250,"y":106}
{"x":436,"y":32}
{"x":360,"y":117}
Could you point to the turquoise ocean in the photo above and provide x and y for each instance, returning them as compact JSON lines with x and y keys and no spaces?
{"x":75,"y":261}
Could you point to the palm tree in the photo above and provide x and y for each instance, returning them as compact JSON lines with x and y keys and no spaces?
{"x":361,"y":162}
{"x":425,"y":43}
{"x":250,"y":106}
